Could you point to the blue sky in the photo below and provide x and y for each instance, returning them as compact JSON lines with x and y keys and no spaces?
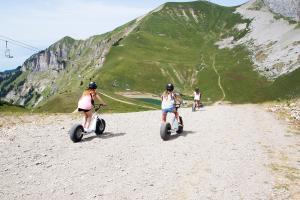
{"x":40,"y":23}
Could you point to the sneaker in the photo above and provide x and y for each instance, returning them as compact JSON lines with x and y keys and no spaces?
{"x":87,"y":130}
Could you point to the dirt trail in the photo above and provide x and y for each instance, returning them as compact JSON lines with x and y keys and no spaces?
{"x":225,"y":152}
{"x":126,"y":102}
{"x":219,"y":81}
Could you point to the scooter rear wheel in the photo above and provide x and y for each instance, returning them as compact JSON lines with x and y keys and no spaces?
{"x":165,"y":131}
{"x":76,"y":133}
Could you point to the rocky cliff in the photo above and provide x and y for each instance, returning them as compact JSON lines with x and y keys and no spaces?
{"x":288,"y":8}
{"x":273,"y":40}
{"x":45,"y":73}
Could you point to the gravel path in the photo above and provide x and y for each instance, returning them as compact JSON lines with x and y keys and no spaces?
{"x":226,"y":152}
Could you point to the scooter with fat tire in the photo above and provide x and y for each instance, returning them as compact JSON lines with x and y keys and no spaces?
{"x":97,"y":126}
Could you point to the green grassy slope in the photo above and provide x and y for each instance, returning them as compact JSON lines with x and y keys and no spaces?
{"x":287,"y":86}
{"x":6,"y":107}
{"x":67,"y":102}
{"x":171,"y":46}
{"x":168,"y":47}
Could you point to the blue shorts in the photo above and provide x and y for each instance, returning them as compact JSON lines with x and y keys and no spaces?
{"x":167,"y":110}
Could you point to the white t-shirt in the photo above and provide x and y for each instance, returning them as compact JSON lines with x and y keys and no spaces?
{"x":168,"y":101}
{"x":197,"y":96}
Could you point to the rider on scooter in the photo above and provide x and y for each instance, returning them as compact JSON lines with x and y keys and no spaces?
{"x":197,"y":98}
{"x":86,"y":102}
{"x":168,"y":103}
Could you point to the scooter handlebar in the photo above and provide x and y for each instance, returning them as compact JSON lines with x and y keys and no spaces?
{"x":98,"y":106}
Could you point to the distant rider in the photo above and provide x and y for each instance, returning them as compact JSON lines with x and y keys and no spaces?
{"x":197,"y":98}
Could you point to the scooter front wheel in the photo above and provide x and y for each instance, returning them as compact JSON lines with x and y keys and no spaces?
{"x":100,"y":126}
{"x":180,"y":126}
{"x":165,"y":131}
{"x":76,"y":133}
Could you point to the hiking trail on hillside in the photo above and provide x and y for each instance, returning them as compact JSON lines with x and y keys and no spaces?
{"x":127,"y":102}
{"x":219,"y":81}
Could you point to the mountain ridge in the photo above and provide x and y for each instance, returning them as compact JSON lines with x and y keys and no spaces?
{"x":175,"y":42}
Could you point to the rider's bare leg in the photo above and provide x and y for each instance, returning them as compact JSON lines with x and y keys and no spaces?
{"x":88,"y":118}
{"x":176,"y":115}
{"x":164,"y":117}
{"x":178,"y":118}
{"x":85,"y":120}
{"x":198,"y":104}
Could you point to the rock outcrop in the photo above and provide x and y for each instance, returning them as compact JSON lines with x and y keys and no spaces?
{"x":42,"y":71}
{"x":273,"y":40}
{"x":287,"y":8}
{"x":290,"y":110}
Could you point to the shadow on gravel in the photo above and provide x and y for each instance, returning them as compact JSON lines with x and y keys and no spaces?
{"x":201,"y":110}
{"x":105,"y":135}
{"x":184,"y":134}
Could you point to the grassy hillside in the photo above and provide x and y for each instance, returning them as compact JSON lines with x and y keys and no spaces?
{"x":10,"y":108}
{"x":287,"y":86}
{"x":67,"y":102}
{"x":177,"y":44}
{"x":168,"y":47}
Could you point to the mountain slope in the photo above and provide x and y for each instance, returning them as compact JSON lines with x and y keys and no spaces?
{"x":176,"y":45}
{"x":65,"y":67}
{"x":192,"y":44}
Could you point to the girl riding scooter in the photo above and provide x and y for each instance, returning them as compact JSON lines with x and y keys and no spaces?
{"x":168,"y":103}
{"x":86,"y":102}
{"x":197,"y":98}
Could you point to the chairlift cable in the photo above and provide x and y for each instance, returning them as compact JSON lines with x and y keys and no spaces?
{"x":27,"y":46}
{"x":21,"y":43}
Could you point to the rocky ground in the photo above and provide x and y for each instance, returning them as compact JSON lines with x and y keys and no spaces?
{"x":225,"y":152}
{"x":289,"y":111}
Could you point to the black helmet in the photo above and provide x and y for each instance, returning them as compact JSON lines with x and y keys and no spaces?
{"x":197,"y":89}
{"x":170,"y":87}
{"x":92,"y":85}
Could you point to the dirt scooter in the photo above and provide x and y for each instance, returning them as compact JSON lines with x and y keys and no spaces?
{"x":167,"y":128}
{"x":196,"y":105}
{"x":97,"y":126}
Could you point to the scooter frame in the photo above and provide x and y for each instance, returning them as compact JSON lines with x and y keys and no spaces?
{"x":97,"y":126}
{"x":167,"y":128}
